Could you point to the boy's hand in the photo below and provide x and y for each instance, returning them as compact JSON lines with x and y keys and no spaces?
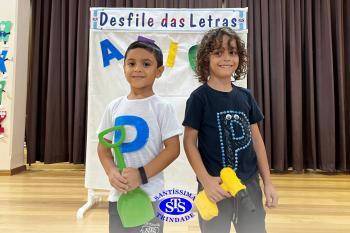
{"x":117,"y":180}
{"x":213,"y":189}
{"x":271,"y":196}
{"x":132,"y":175}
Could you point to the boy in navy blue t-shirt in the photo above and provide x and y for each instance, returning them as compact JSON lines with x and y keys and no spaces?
{"x":221,"y":131}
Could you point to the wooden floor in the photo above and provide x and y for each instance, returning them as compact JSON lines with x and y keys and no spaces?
{"x":47,"y":201}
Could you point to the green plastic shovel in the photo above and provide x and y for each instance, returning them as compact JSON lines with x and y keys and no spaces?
{"x":135,"y":207}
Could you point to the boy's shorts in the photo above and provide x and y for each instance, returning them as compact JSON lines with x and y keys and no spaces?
{"x":115,"y":224}
{"x":231,"y":210}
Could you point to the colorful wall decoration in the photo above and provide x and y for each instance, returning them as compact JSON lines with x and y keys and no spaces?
{"x":2,"y":90}
{"x":5,"y":32}
{"x":3,"y":115}
{"x":5,"y":29}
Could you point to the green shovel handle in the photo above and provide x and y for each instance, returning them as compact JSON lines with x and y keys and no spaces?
{"x":116,"y":145}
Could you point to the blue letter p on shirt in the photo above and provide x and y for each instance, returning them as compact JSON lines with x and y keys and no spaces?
{"x":142,"y":132}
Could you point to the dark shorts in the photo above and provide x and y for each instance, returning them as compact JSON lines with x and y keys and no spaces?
{"x":231,"y":210}
{"x":115,"y":224}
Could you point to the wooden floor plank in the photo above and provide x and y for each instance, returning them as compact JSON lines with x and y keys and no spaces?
{"x":47,"y":201}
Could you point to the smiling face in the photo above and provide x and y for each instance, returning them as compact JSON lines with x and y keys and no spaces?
{"x":224,"y":60}
{"x":140,"y":69}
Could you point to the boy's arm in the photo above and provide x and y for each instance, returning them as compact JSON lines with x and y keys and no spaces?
{"x":210,"y":183}
{"x":259,"y":147}
{"x":170,"y":152}
{"x":114,"y":176}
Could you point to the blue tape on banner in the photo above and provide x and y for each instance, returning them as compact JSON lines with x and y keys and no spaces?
{"x":242,"y":23}
{"x":94,"y":19}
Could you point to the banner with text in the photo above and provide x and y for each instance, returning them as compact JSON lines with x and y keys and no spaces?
{"x":177,"y":20}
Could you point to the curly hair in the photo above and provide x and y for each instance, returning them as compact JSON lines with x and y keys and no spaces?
{"x":213,"y":40}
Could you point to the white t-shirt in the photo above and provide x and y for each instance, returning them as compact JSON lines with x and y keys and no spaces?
{"x":160,"y":117}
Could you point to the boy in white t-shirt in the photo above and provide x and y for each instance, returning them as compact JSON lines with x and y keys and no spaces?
{"x":148,"y":114}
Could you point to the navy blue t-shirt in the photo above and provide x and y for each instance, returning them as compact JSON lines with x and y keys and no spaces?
{"x":223,"y":122}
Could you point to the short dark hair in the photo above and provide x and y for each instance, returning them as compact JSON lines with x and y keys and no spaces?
{"x":213,"y":40}
{"x":149,"y":46}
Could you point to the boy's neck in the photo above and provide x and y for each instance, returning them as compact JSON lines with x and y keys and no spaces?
{"x":139,"y":94}
{"x":223,"y":84}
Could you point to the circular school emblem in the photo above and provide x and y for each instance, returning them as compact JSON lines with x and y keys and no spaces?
{"x":175,"y":205}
